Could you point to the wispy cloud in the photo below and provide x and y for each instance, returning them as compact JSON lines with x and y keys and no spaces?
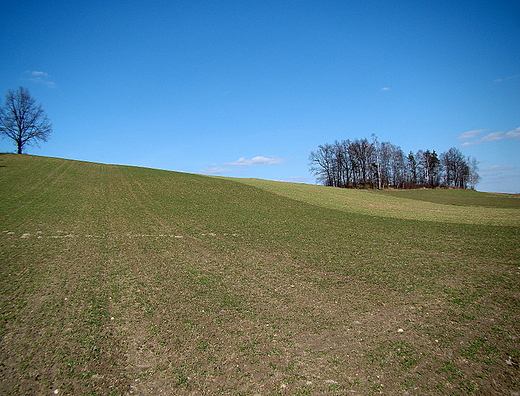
{"x":498,"y":168}
{"x":499,"y":80}
{"x":490,"y":137}
{"x":241,"y":165}
{"x":500,"y":178}
{"x":300,"y":179}
{"x":215,"y":170}
{"x":385,"y":89}
{"x":40,"y":77}
{"x":471,"y":134}
{"x":259,"y":160}
{"x":514,"y":134}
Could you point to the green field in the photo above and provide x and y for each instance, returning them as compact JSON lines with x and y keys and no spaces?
{"x":132,"y":281}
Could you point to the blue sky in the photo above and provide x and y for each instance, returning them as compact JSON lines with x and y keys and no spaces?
{"x":249,"y":88}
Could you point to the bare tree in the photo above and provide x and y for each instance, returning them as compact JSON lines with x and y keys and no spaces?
{"x":362,"y":164}
{"x":456,"y":168}
{"x":361,"y":153}
{"x":377,"y":150}
{"x":430,"y":166}
{"x":22,"y":121}
{"x":474,"y":177}
{"x":323,"y":165}
{"x":412,"y":169}
{"x":398,"y":163}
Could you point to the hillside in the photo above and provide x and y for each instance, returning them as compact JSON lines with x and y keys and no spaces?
{"x":124,"y":280}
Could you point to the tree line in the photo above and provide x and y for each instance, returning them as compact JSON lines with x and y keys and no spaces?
{"x":364,"y":163}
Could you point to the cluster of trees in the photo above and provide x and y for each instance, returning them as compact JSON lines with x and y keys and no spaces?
{"x":22,"y":121}
{"x":369,"y":164}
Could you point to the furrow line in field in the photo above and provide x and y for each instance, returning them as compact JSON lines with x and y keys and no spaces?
{"x":40,"y":188}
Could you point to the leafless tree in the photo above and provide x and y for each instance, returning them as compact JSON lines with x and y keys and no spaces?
{"x":364,"y":164}
{"x":430,"y":167}
{"x":411,"y":170}
{"x":474,"y":177}
{"x":362,"y":154}
{"x":459,"y":171}
{"x":322,"y":164}
{"x":22,"y":120}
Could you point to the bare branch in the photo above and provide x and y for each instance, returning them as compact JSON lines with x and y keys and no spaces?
{"x":22,"y":120}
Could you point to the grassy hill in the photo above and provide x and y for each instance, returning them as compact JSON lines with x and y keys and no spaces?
{"x":122,"y":280}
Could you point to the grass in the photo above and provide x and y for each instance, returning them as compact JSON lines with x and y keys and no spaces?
{"x":451,"y":206}
{"x":459,"y":197}
{"x":121,"y":280}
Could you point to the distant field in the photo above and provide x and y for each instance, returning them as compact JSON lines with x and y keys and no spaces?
{"x":457,"y":206}
{"x":460,"y":197}
{"x":131,"y":281}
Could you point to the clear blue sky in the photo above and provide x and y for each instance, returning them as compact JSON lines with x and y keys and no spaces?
{"x":249,"y":88}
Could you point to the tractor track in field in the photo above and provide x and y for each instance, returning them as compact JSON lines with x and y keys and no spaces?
{"x":127,"y":281}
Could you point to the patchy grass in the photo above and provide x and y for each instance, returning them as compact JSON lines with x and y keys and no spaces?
{"x":124,"y":280}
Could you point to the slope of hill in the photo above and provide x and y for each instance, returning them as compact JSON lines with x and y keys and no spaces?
{"x":451,"y":206}
{"x":124,"y":280}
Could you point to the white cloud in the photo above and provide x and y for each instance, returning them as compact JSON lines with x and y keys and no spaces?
{"x":259,"y":160}
{"x":471,"y":134}
{"x":492,"y":137}
{"x":240,"y":165}
{"x":215,"y":170}
{"x":300,"y":179}
{"x":498,"y":80}
{"x":385,"y":89}
{"x":514,"y":134}
{"x":498,"y":168}
{"x":39,"y":73}
{"x":41,"y":77}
